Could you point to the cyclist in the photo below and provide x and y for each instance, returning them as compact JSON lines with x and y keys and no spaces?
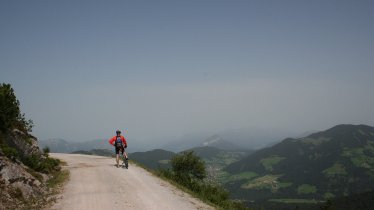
{"x":119,"y":143}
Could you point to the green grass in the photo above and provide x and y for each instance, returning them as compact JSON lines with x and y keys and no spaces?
{"x":295,"y":201}
{"x":45,"y":165}
{"x":328,"y":195}
{"x":248,"y":175}
{"x":164,"y":161}
{"x":361,"y":157}
{"x":285,"y":184}
{"x":57,"y":179}
{"x":9,"y":152}
{"x":306,"y":189}
{"x":210,"y":194}
{"x":35,"y":174}
{"x":264,"y":182}
{"x":335,"y":170}
{"x":269,"y":162}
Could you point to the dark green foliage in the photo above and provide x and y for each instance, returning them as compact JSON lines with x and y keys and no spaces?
{"x":9,"y":152}
{"x":328,"y":206}
{"x":10,"y":114}
{"x":37,"y":162}
{"x":188,"y":170}
{"x":58,"y":178}
{"x":42,"y":164}
{"x":188,"y":167}
{"x":353,"y":202}
{"x":46,"y":151}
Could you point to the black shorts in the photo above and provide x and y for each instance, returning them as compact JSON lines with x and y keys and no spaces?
{"x":119,"y":149}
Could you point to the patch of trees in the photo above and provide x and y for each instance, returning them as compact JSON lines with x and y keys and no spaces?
{"x":188,"y":171}
{"x":10,"y":113}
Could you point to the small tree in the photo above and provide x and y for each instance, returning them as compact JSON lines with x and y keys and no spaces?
{"x":10,"y":113}
{"x":188,"y":167}
{"x":46,"y":151}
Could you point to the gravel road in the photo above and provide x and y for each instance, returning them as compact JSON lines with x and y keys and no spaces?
{"x":95,"y":183}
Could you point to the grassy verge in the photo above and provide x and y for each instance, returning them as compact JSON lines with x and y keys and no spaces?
{"x":212,"y":195}
{"x":54,"y":184}
{"x":58,"y":179}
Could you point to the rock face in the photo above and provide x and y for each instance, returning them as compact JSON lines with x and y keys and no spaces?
{"x":25,"y":144}
{"x":18,"y":183}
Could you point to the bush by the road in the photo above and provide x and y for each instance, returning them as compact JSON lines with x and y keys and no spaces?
{"x":10,"y":113}
{"x":188,"y":171}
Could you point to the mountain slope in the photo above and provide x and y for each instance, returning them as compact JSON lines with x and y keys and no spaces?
{"x":335,"y":162}
{"x":153,"y":159}
{"x":216,"y":159}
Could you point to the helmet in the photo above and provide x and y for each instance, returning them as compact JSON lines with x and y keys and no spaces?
{"x":118,"y":131}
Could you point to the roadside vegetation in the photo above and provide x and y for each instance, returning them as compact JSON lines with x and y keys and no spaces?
{"x":22,"y":148}
{"x":188,"y":173}
{"x":10,"y":113}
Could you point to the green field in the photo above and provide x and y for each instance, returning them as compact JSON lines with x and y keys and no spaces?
{"x":361,"y":157}
{"x":248,"y":175}
{"x":164,"y":161}
{"x":336,"y":169}
{"x":328,"y":195}
{"x":306,"y":189}
{"x":264,"y":182}
{"x":269,"y":162}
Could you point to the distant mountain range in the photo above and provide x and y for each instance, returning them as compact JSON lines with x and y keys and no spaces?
{"x":244,"y":138}
{"x":63,"y":146}
{"x":328,"y":164}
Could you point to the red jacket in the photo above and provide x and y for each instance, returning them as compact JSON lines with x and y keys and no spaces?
{"x":113,"y":139}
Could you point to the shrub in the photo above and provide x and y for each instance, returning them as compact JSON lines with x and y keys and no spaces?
{"x":46,"y":151}
{"x":188,"y":170}
{"x":188,"y":167}
{"x":10,"y":113}
{"x":40,"y":164}
{"x":9,"y":152}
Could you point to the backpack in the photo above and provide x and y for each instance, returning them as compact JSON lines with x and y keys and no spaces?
{"x":118,"y":143}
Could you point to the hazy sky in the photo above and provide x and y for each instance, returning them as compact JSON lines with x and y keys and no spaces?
{"x":162,"y":69}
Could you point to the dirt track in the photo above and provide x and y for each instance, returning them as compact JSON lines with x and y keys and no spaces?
{"x":95,"y":183}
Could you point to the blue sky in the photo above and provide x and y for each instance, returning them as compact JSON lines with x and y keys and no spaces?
{"x":160,"y":69}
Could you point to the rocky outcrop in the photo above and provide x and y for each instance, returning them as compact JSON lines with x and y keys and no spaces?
{"x":19,"y":184}
{"x":24,"y":143}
